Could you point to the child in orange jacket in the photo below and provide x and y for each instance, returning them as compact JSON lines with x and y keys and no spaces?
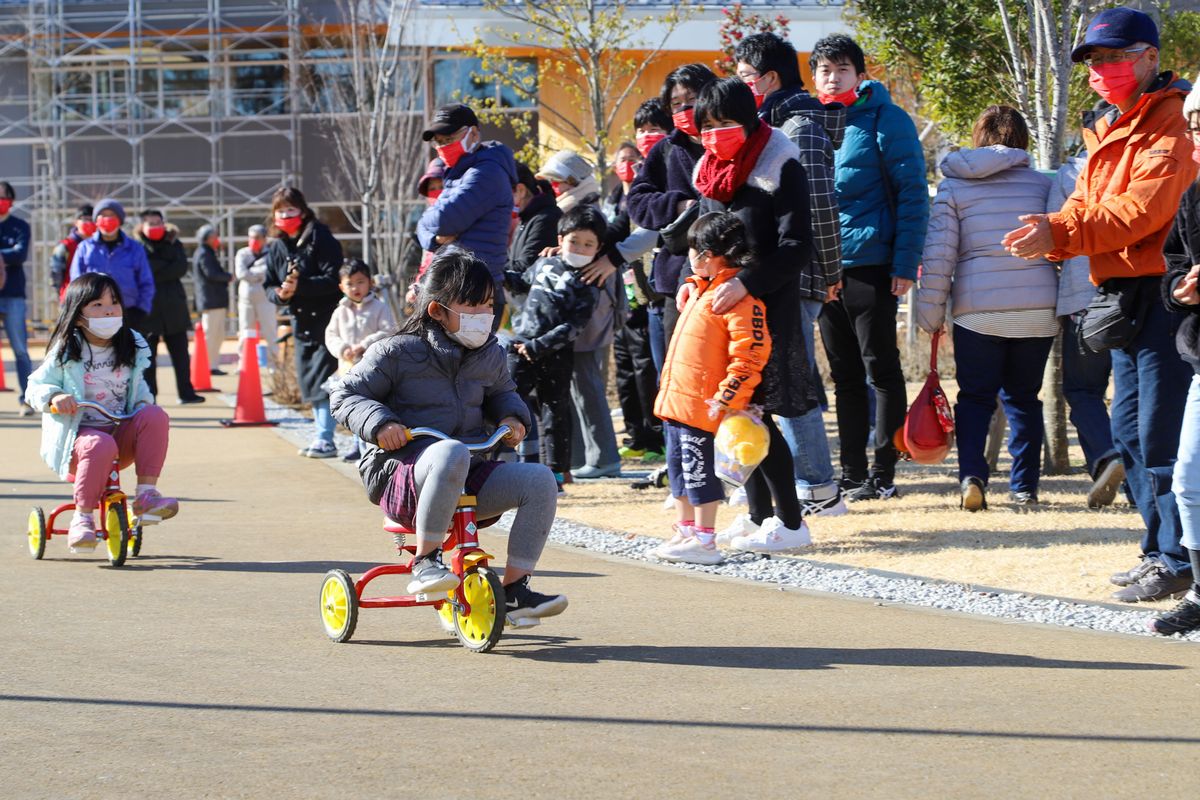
{"x":714,"y":363}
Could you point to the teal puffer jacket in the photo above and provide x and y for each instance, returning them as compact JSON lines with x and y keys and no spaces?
{"x":883,"y":216}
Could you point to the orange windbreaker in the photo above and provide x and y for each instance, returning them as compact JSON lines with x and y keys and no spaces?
{"x":712,"y":356}
{"x":1126,"y":197}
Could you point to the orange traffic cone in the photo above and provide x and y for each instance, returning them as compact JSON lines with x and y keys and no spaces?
{"x":3,"y":388}
{"x":249,"y":409}
{"x":201,"y":375}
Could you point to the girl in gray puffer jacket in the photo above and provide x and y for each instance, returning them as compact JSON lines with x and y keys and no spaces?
{"x":1003,"y":306}
{"x":445,"y":370}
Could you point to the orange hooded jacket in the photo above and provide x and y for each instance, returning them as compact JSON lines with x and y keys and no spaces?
{"x":712,"y":356}
{"x":1126,"y":197}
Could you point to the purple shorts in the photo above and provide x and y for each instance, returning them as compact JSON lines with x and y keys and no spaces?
{"x":399,"y":499}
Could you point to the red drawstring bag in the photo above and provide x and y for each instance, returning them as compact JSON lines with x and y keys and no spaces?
{"x":929,"y":426}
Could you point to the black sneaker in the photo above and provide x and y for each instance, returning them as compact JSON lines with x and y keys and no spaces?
{"x":193,"y":400}
{"x":874,"y":488}
{"x":1182,"y":618}
{"x":848,"y":485}
{"x":352,"y":456}
{"x":973,"y":495}
{"x":217,"y":372}
{"x":1156,"y":584}
{"x":524,"y":607}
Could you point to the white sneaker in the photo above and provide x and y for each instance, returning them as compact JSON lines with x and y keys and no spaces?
{"x":691,"y":551}
{"x":738,"y":498}
{"x":742,"y":526}
{"x":681,"y":534}
{"x":774,"y":537}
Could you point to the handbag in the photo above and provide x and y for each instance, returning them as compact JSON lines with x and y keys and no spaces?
{"x":929,"y":425}
{"x":1116,"y":314}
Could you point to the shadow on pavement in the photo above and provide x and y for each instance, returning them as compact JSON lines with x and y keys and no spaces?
{"x":799,"y":658}
{"x":583,"y":719}
{"x":210,"y":564}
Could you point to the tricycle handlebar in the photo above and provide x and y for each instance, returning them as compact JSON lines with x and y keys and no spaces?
{"x":82,"y":404}
{"x":478,"y":447}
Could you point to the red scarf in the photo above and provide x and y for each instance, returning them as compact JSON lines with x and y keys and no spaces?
{"x":718,"y":180}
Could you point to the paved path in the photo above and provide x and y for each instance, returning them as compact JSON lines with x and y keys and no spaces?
{"x":200,"y":670}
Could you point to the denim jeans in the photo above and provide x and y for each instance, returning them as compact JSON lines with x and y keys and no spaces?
{"x":1186,"y":482}
{"x":1012,"y":368}
{"x":1085,"y":383}
{"x":13,"y":309}
{"x":1147,"y":413}
{"x":805,"y":435}
{"x":658,"y":340}
{"x":323,"y":422}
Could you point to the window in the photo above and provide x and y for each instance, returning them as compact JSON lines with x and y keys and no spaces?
{"x":462,"y":80}
{"x":259,"y":84}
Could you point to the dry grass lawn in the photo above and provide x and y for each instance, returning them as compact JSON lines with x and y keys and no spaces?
{"x":1061,"y":548}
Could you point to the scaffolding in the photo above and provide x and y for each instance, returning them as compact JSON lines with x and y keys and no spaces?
{"x":190,"y":107}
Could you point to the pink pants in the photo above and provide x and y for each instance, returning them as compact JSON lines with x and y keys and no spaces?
{"x":141,"y":441}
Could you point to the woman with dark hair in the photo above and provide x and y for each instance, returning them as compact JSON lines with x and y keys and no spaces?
{"x":663,"y":190}
{"x":1003,"y":307}
{"x":302,"y":274}
{"x":752,"y":170}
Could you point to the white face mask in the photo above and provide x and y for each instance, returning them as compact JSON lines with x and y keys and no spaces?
{"x":473,"y":329}
{"x":471,"y":141}
{"x":575,"y":260}
{"x":104,"y":327}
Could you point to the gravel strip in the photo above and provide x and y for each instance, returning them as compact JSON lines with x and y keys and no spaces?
{"x":798,"y":573}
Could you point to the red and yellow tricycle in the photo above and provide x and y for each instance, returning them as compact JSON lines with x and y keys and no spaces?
{"x":121,"y":532}
{"x":474,"y":611}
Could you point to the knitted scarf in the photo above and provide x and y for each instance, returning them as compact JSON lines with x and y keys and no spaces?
{"x":719,"y":180}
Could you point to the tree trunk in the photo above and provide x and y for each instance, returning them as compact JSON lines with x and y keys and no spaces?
{"x":1054,"y":412}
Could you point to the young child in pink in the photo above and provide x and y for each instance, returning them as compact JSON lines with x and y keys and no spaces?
{"x":94,"y":356}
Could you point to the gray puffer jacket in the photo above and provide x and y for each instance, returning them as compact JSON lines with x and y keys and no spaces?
{"x":1075,"y":287}
{"x":984,"y":193}
{"x":423,"y":382}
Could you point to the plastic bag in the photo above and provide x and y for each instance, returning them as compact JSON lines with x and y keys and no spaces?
{"x":742,"y":442}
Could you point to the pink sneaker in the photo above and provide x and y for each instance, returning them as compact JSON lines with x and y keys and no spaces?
{"x":81,"y":535}
{"x":150,"y":504}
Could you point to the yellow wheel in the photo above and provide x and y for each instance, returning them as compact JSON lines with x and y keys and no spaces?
{"x":37,"y":533}
{"x":135,"y":540}
{"x":480,"y":631}
{"x":339,"y":605}
{"x":116,"y":529}
{"x":446,"y":616}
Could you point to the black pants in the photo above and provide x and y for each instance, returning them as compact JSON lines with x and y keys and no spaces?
{"x":774,"y":480}
{"x":545,"y":386}
{"x":637,"y":382}
{"x":859,"y":332}
{"x":181,"y":362}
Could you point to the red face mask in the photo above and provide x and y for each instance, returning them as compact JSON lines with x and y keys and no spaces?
{"x":155,"y":233}
{"x":86,"y":228}
{"x":685,"y":120}
{"x":846,"y":98}
{"x":289,"y":225}
{"x":256,"y":246}
{"x":1115,"y":83}
{"x":723,"y":143}
{"x":557,"y":187}
{"x":432,"y":195}
{"x":758,"y":96}
{"x":108,"y":225}
{"x":5,"y":206}
{"x":626,"y":171}
{"x":451,"y":153}
{"x":214,"y":243}
{"x":1196,"y":152}
{"x":646,"y":141}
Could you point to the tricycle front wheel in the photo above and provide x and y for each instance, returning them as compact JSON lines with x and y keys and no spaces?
{"x":480,"y":630}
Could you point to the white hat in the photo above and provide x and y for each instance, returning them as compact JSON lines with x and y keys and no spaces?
{"x":566,"y":165}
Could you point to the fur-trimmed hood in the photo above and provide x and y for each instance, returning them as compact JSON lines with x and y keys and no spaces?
{"x":769,"y":167}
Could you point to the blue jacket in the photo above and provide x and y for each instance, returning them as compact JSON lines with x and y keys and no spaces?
{"x":883,"y":216}
{"x":476,"y":206}
{"x":126,"y":264}
{"x":14,"y":249}
{"x":54,"y":378}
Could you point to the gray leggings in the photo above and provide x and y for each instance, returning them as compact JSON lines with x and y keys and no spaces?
{"x":439,"y":475}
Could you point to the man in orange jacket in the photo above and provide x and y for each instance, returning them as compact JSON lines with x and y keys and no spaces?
{"x":1139,"y":165}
